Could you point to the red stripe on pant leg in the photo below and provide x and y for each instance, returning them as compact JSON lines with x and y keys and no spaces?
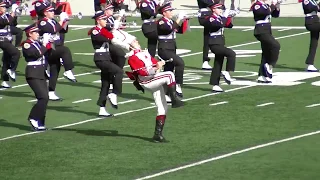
{"x":155,"y":78}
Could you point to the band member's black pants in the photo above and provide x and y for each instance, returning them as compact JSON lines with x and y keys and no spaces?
{"x":314,"y":29}
{"x":18,"y":33}
{"x":205,"y":49}
{"x":117,"y":55}
{"x":39,"y":87}
{"x":150,"y":32}
{"x":220,"y":52}
{"x":177,"y":64}
{"x":10,"y":58}
{"x":110,"y":72}
{"x":270,"y":50}
{"x":152,"y":46}
{"x":55,"y":65}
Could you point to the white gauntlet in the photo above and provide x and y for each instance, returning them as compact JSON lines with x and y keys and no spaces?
{"x":116,"y":24}
{"x":181,"y":15}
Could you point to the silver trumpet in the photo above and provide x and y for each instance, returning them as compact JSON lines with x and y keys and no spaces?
{"x":77,"y":16}
{"x":127,"y":24}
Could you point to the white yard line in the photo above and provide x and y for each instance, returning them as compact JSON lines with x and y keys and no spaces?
{"x":128,"y":101}
{"x":79,"y":28}
{"x":80,"y":101}
{"x":126,"y":112}
{"x":218,"y":103}
{"x":33,"y":100}
{"x":247,"y":29}
{"x":286,"y":29}
{"x":313,"y":105}
{"x":229,"y":155}
{"x":265,"y":104}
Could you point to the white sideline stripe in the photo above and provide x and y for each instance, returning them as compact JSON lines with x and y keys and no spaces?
{"x":129,"y":101}
{"x":218,"y":103}
{"x":248,"y":29}
{"x":123,"y":113}
{"x":281,"y":37}
{"x":229,"y":155}
{"x":313,"y":105}
{"x":186,"y":55}
{"x":33,"y":100}
{"x":82,"y":100}
{"x":265,"y":104}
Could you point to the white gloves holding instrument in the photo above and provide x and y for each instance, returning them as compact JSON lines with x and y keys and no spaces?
{"x":46,"y":38}
{"x":116,"y":24}
{"x":122,"y":12}
{"x":14,"y":8}
{"x":64,"y":16}
{"x":230,"y":13}
{"x":182,"y":15}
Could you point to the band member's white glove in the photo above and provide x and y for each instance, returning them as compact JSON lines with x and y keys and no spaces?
{"x":64,"y":16}
{"x":116,"y":24}
{"x":9,"y":38}
{"x":226,"y":13}
{"x":181,"y":15}
{"x":233,"y":13}
{"x":122,"y":12}
{"x":14,"y":8}
{"x":46,"y":38}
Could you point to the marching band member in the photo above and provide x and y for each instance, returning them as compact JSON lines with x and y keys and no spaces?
{"x":17,"y":32}
{"x":262,"y":13}
{"x":35,"y":73}
{"x":312,"y":24}
{"x":215,"y":25}
{"x":117,"y":54}
{"x":12,"y":54}
{"x":203,"y":8}
{"x":149,"y":10}
{"x":167,"y":46}
{"x":146,"y":73}
{"x":110,"y":72}
{"x":49,"y":31}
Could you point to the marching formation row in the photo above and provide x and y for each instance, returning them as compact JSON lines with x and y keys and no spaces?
{"x":44,"y":51}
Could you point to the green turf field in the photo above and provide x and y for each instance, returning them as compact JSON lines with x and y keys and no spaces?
{"x":215,"y":136}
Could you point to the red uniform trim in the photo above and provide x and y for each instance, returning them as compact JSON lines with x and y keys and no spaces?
{"x":157,"y":78}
